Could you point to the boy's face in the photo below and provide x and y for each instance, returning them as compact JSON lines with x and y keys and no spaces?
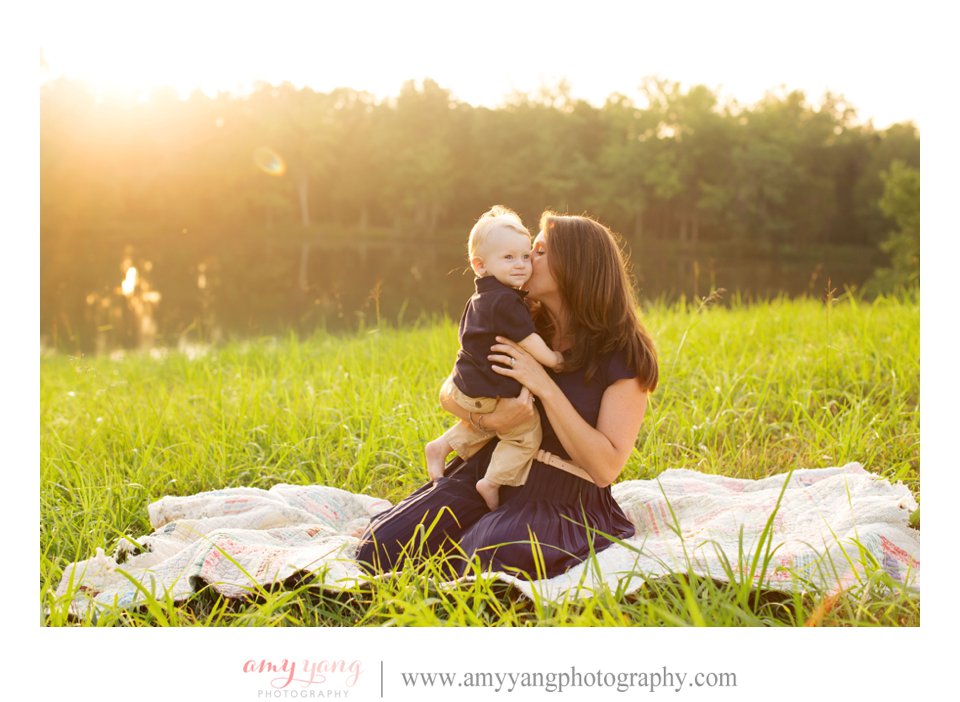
{"x":506,"y":256}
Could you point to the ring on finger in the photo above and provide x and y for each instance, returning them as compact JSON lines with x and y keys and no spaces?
{"x":513,"y":361}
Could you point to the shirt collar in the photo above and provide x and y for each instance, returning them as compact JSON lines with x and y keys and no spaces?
{"x":488,"y":283}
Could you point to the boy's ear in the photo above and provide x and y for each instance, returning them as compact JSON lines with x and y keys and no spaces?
{"x":476,"y":263}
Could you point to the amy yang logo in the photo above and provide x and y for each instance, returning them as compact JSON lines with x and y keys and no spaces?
{"x":303,"y":678}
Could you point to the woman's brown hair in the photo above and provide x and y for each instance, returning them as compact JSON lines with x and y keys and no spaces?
{"x":585,"y":259}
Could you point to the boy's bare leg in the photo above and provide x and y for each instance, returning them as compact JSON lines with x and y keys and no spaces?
{"x":490,"y":492}
{"x":462,"y":438}
{"x":436,"y":452}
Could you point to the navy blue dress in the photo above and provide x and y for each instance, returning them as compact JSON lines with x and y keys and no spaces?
{"x":541,"y":528}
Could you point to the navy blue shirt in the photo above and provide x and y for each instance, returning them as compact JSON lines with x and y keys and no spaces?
{"x":494,"y":310}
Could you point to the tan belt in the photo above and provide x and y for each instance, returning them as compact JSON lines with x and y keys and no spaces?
{"x":557,"y":462}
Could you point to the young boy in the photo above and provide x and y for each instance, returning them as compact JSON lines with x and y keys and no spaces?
{"x":499,"y":249}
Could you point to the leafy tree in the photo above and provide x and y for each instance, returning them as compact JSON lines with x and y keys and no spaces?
{"x":419,"y":155}
{"x":880,"y":149}
{"x":687,"y":178}
{"x":901,"y":204}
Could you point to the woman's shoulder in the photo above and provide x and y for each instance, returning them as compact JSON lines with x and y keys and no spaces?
{"x":616,"y":365}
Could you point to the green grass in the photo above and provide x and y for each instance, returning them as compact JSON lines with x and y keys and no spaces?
{"x":747,"y":390}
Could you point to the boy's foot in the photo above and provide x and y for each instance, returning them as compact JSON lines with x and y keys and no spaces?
{"x":436,"y":452}
{"x":490,"y":492}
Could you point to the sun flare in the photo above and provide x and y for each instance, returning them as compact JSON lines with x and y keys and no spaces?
{"x":125,"y":50}
{"x":111,"y":70}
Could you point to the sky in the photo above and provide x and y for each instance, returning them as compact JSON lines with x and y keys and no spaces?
{"x":483,"y":51}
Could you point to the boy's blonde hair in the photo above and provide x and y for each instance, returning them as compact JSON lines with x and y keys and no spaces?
{"x":496,"y":216}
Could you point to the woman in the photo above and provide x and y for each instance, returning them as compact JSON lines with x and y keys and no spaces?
{"x":591,"y":412}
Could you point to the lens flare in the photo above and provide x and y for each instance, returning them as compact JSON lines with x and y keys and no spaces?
{"x":129,"y":283}
{"x":269,"y":161}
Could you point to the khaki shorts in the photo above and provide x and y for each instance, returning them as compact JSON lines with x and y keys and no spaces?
{"x":513,"y":456}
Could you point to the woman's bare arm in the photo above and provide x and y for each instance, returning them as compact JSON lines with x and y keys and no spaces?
{"x":510,"y":411}
{"x":603,"y":450}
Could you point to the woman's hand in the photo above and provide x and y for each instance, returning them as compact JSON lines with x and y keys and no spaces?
{"x":510,"y":412}
{"x":519,"y":365}
{"x":601,"y":450}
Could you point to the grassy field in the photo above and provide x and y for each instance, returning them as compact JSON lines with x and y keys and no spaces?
{"x":747,"y":391}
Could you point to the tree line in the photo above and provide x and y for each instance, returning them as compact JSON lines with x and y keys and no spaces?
{"x":289,"y":207}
